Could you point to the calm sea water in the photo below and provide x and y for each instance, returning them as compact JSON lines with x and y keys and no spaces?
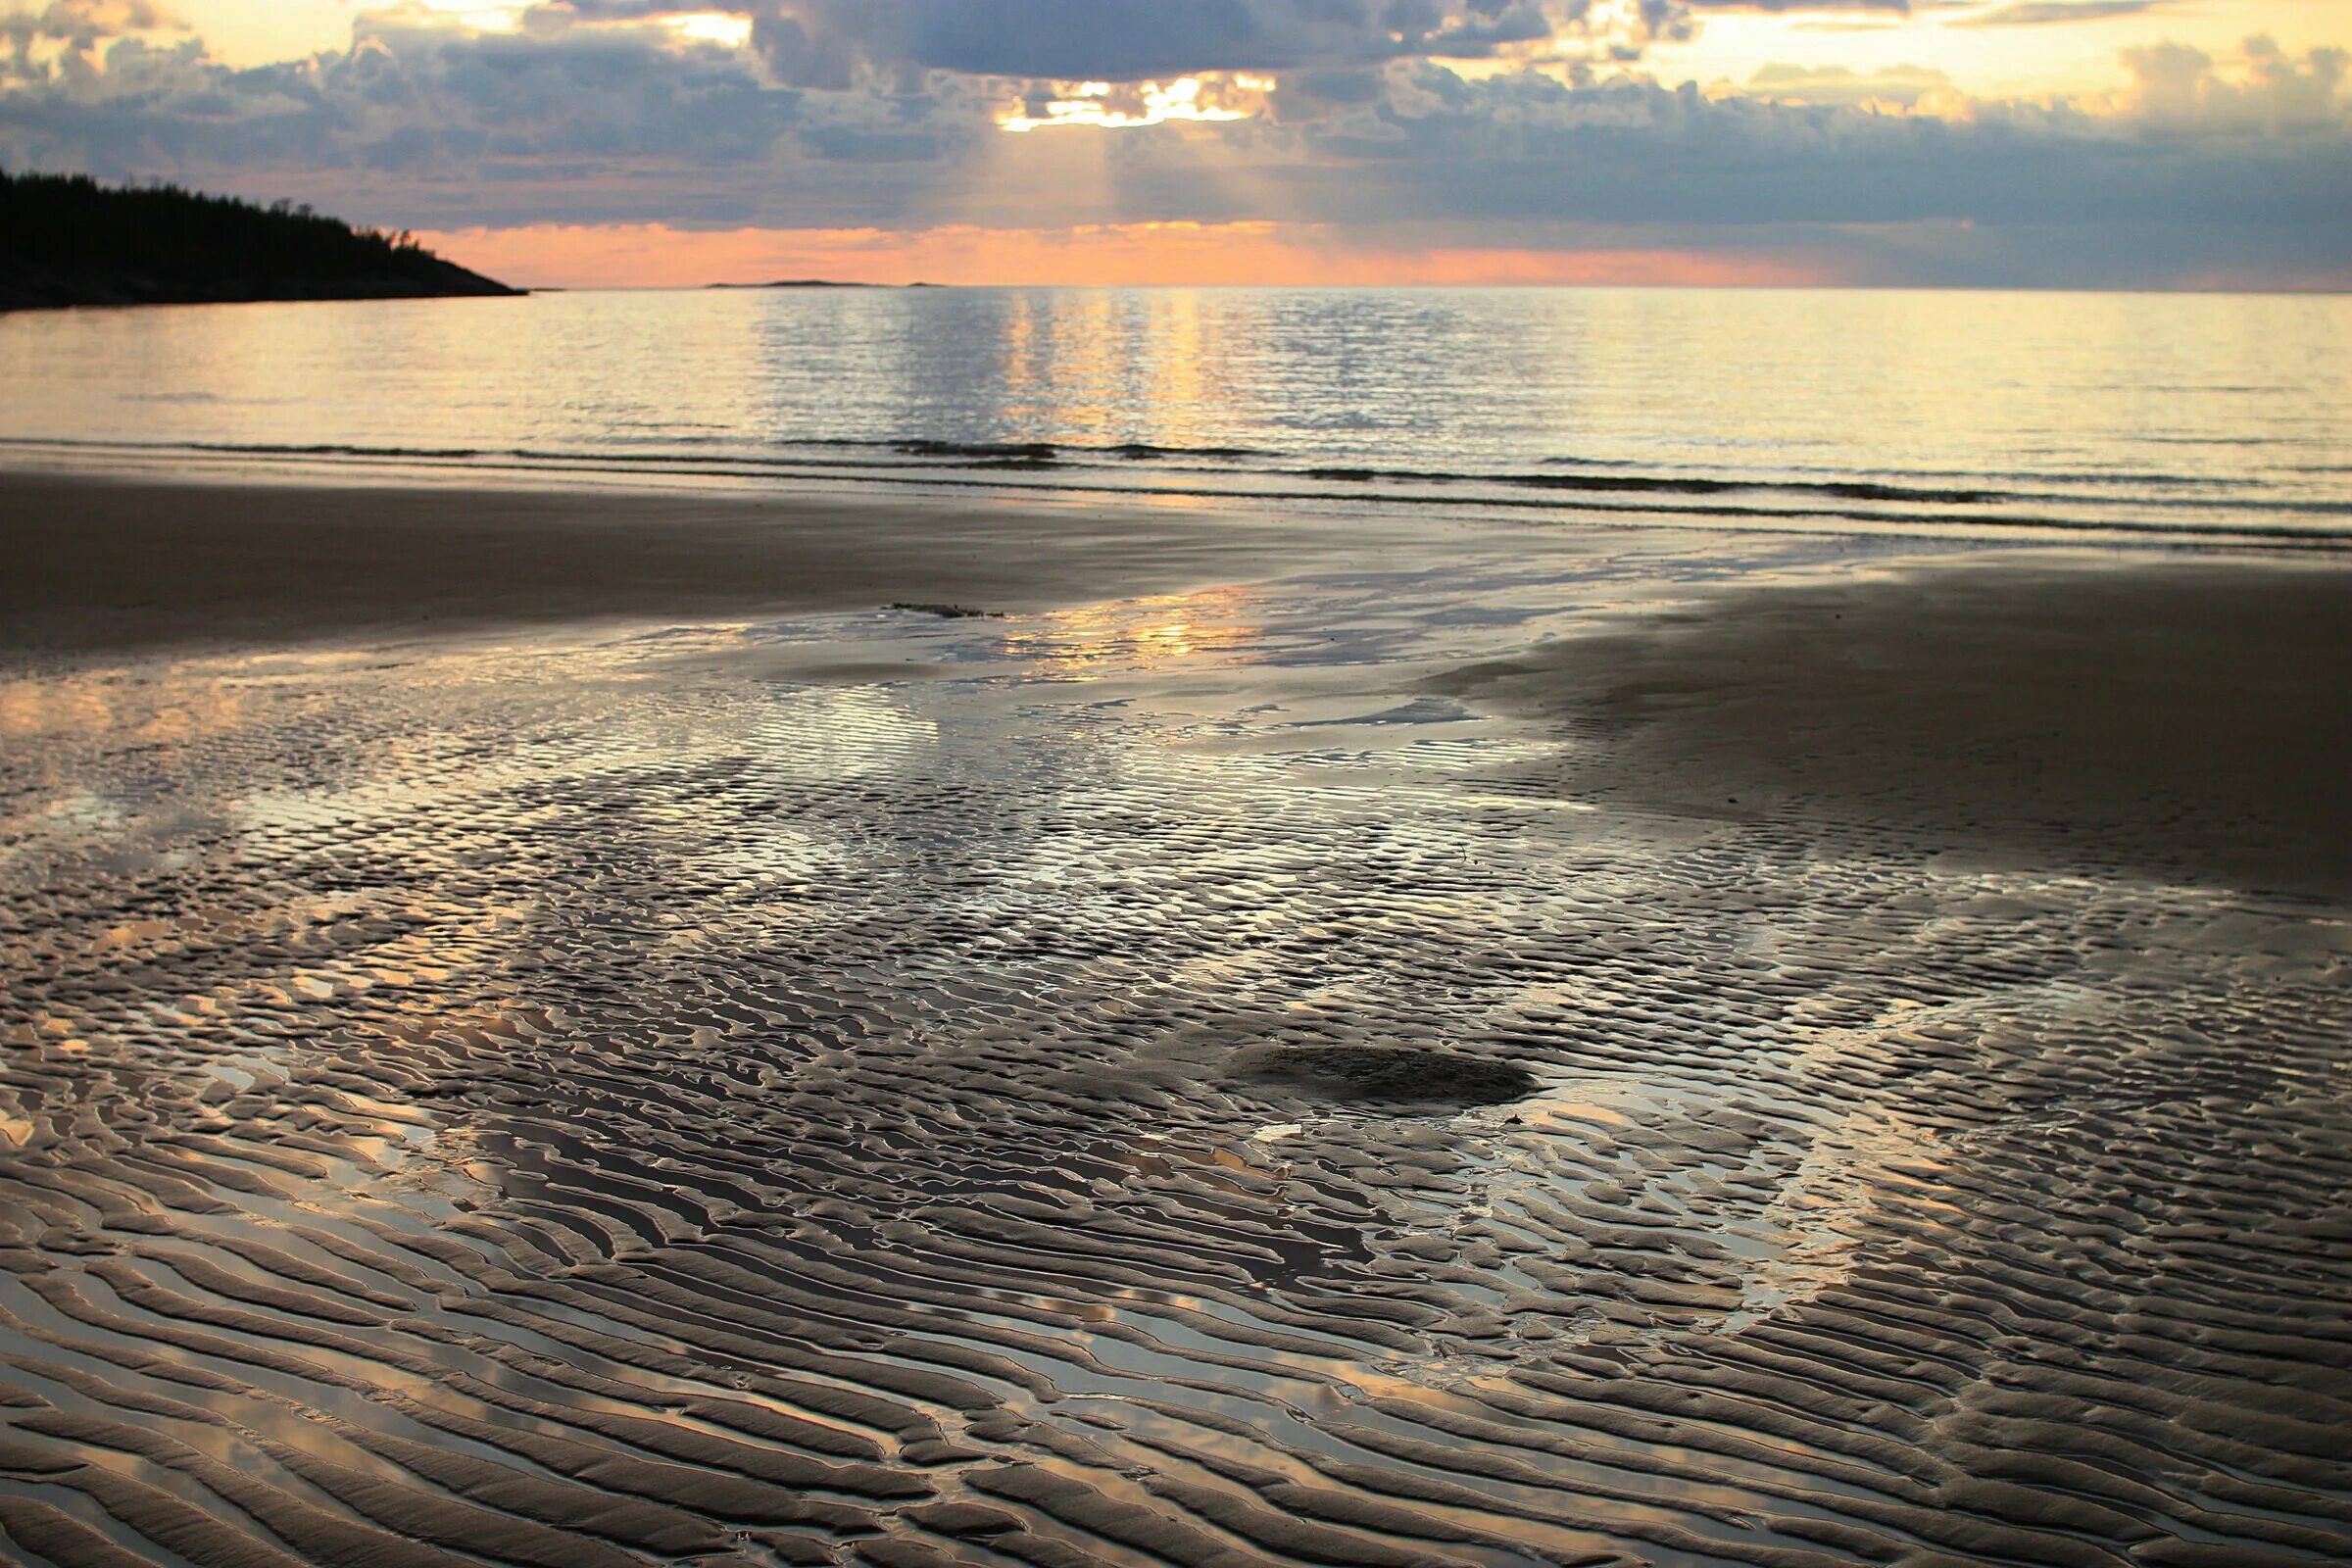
{"x":2227,"y":416}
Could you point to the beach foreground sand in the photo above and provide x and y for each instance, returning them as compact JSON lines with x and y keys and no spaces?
{"x":563,"y":1030}
{"x":99,"y":564}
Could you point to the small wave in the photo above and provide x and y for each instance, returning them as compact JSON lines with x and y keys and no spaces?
{"x":322,"y":450}
{"x":1144,"y":452}
{"x":992,"y":451}
{"x":1668,"y":485}
{"x":2008,"y":477}
{"x":999,"y":467}
{"x":1052,"y":452}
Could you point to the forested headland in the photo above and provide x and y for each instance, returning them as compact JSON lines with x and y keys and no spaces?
{"x":65,"y":239}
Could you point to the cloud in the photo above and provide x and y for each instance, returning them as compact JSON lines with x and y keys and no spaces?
{"x":1778,"y":8}
{"x":2179,"y":89}
{"x":437,"y":103}
{"x":833,"y":43}
{"x":1527,"y":147}
{"x":598,"y":113}
{"x":2047,"y":12}
{"x":63,"y":38}
{"x":1901,"y":86}
{"x":86,"y":20}
{"x":1131,"y":40}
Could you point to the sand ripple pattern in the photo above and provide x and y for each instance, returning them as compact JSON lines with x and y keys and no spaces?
{"x":634,"y":1104}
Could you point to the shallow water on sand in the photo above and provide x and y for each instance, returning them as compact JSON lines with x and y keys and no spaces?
{"x":1933,"y":411}
{"x":645,"y":1099}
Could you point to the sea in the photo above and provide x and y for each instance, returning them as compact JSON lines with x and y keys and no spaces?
{"x":2222,"y":418}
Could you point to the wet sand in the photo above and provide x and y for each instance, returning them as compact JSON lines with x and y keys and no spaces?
{"x":2183,"y":718}
{"x":97,"y":563}
{"x":707,"y":1067}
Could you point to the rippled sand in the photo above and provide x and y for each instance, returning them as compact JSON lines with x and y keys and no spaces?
{"x":868,"y":1087}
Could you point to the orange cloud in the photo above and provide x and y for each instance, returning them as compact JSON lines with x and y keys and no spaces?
{"x":1183,"y":254}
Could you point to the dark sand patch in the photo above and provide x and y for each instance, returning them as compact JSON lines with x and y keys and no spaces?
{"x":2183,"y":720}
{"x":1391,"y":1075}
{"x":950,"y":611}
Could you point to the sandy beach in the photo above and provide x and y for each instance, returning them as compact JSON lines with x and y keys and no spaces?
{"x":600,"y":1028}
{"x":98,"y":563}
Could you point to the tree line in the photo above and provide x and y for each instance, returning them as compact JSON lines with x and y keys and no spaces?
{"x":67,"y":240}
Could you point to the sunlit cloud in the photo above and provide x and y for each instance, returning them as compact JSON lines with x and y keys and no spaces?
{"x":1126,"y":107}
{"x":731,"y":29}
{"x":2049,"y":12}
{"x":721,"y":28}
{"x":471,"y":15}
{"x":37,"y":40}
{"x":1889,"y":89}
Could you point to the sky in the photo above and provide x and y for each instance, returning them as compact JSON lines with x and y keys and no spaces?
{"x":1972,"y":143}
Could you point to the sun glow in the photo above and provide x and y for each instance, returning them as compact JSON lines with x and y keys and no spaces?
{"x":1100,"y":104}
{"x":721,"y":28}
{"x":471,"y":15}
{"x":685,"y":25}
{"x":1179,"y":252}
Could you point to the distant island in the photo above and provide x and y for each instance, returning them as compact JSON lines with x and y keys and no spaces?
{"x":64,"y":239}
{"x":817,"y":283}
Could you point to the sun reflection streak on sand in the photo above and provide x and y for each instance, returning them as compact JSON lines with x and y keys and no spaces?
{"x":1134,"y":636}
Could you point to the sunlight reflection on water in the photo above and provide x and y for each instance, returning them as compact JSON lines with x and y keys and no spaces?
{"x":1851,"y":408}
